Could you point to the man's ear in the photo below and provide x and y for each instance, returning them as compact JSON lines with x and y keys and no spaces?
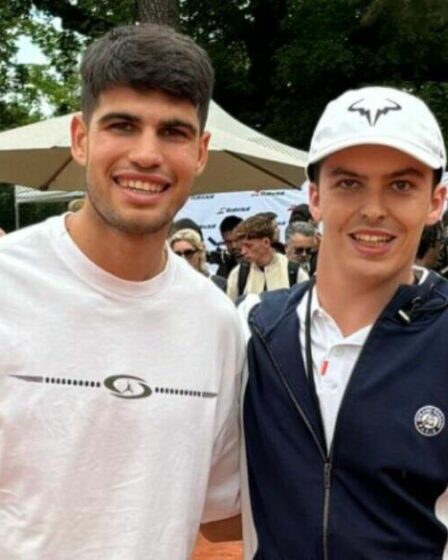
{"x":204,"y":141}
{"x":437,"y":204}
{"x":314,"y":201}
{"x":79,"y":139}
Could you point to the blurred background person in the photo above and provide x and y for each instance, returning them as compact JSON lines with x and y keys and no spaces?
{"x":228,"y":259}
{"x":187,"y":243}
{"x":432,"y":249}
{"x":302,"y":244}
{"x":276,"y":244}
{"x":300,"y":213}
{"x":261,"y":268}
{"x":186,"y":223}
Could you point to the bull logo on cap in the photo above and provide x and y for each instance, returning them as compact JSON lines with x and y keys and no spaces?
{"x":375,"y":110}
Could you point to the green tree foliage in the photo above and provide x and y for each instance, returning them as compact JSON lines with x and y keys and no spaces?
{"x":34,"y":212}
{"x":277,"y":62}
{"x":334,"y":46}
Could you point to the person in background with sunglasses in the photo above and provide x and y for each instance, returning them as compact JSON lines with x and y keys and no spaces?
{"x":187,"y":243}
{"x":301,"y":244}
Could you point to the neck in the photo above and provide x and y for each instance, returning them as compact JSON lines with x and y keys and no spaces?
{"x":355,"y":303}
{"x":127,"y":256}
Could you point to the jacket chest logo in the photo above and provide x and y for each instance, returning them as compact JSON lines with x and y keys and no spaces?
{"x":429,"y":421}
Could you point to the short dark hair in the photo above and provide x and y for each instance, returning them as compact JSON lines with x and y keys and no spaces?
{"x":229,"y":224}
{"x":147,"y":57}
{"x":269,"y":215}
{"x":314,"y":171}
{"x":303,"y":228}
{"x":431,"y":235}
{"x":445,"y":218}
{"x":300,"y":213}
{"x":186,"y":223}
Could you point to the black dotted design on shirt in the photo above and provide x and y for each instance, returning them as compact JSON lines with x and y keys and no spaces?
{"x":159,"y":390}
{"x":73,"y":382}
{"x":183,"y":392}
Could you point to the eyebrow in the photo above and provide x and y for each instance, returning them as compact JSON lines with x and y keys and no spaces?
{"x":118,"y":116}
{"x":169,"y":123}
{"x":173,"y":123}
{"x":406,"y":171}
{"x":337,"y":171}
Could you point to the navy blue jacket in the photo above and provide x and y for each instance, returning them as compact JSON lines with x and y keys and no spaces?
{"x":373,"y":494}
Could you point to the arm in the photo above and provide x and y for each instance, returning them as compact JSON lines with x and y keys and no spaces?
{"x":223,"y":530}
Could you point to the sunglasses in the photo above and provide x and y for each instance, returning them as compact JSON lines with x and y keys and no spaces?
{"x":188,"y":253}
{"x":308,"y":251}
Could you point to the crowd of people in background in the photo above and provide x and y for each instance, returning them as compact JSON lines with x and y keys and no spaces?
{"x":305,"y":419}
{"x":252,"y":258}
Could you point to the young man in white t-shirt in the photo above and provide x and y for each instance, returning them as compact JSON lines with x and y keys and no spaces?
{"x":120,"y":364}
{"x":345,"y":399}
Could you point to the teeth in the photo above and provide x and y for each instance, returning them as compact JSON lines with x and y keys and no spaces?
{"x":138,"y":185}
{"x":374,"y":239}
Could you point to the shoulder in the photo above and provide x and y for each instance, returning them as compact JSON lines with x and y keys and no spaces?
{"x":247,"y":304}
{"x":24,"y":241}
{"x":269,"y":308}
{"x":281,"y":258}
{"x":233,"y":276}
{"x":197,"y":291}
{"x":219,"y":281}
{"x":235,"y":271}
{"x":279,"y":261}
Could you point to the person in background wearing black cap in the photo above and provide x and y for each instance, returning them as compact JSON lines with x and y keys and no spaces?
{"x":346,"y":393}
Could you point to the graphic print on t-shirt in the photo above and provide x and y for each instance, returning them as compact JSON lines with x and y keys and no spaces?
{"x":122,"y":386}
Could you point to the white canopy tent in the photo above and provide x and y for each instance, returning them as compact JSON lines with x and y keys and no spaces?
{"x":38,"y":155}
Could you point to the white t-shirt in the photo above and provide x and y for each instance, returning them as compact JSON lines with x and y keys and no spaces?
{"x":118,"y":416}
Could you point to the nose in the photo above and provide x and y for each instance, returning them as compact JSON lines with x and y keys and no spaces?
{"x":373,"y":209}
{"x":146,"y":151}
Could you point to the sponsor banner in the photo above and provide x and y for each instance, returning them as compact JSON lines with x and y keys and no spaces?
{"x":208,"y":210}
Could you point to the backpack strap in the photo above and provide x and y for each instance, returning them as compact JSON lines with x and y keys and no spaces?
{"x":293,"y":272}
{"x":243,"y":273}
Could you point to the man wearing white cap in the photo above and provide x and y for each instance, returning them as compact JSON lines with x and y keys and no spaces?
{"x":346,"y":393}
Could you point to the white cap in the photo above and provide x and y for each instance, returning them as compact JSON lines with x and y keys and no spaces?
{"x":382,"y":116}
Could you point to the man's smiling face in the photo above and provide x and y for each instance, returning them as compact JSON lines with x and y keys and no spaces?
{"x":142,"y":151}
{"x":374,"y":202}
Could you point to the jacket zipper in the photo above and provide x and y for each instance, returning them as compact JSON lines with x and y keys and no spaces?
{"x":326,"y":514}
{"x":290,"y":393}
{"x":327,"y":457}
{"x":329,"y":460}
